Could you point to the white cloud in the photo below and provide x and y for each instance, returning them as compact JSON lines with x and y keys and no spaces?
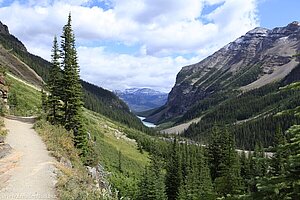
{"x":164,"y":30}
{"x":126,"y":71}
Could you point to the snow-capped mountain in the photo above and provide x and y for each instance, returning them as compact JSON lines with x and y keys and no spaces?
{"x":141,"y":99}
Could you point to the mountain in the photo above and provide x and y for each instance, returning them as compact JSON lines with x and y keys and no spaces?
{"x":258,"y":58}
{"x":141,"y":99}
{"x":35,"y":70}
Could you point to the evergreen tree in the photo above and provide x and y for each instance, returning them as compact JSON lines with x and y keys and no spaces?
{"x":151,"y":186}
{"x":280,"y":156}
{"x":44,"y":100}
{"x":229,"y":181}
{"x":54,"y":86}
{"x":215,"y":152}
{"x":204,"y":182}
{"x":197,"y":183}
{"x":120,"y":161}
{"x":173,"y":172}
{"x":188,"y":189}
{"x":286,"y":184}
{"x":224,"y":163}
{"x":245,"y":169}
{"x":72,"y":91}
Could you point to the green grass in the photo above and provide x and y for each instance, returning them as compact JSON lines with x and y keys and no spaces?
{"x":110,"y":140}
{"x":72,"y":183}
{"x":23,"y":100}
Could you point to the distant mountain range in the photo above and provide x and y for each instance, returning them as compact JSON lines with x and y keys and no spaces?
{"x":142,"y":99}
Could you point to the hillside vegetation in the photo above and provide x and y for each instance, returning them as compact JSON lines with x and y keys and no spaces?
{"x":118,"y":154}
{"x":23,"y":100}
{"x":95,"y":97}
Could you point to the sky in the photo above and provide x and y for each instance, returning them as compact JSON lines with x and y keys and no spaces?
{"x":141,"y":43}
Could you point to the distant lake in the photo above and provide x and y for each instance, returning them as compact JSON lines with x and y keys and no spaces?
{"x":148,"y":124}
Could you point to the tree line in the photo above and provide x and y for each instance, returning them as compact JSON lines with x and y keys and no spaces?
{"x":218,"y":171}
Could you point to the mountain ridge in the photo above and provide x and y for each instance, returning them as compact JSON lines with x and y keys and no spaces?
{"x":259,"y":57}
{"x":142,"y":99}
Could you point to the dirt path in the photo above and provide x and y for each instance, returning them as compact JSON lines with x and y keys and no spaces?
{"x":28,"y":173}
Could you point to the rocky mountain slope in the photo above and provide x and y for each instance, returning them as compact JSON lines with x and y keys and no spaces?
{"x":259,"y":57}
{"x":12,"y":62}
{"x":142,"y":99}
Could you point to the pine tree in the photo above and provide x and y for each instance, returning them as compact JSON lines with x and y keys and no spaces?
{"x":204,"y":182}
{"x":215,"y":152}
{"x":285,"y":185}
{"x":151,"y":186}
{"x":229,"y":181}
{"x":55,"y":86}
{"x":72,"y":90}
{"x":173,"y":172}
{"x":283,"y":180}
{"x":225,"y":164}
{"x":245,"y":169}
{"x":197,"y":183}
{"x":280,"y":156}
{"x":44,"y":100}
{"x":188,"y":188}
{"x":120,"y":161}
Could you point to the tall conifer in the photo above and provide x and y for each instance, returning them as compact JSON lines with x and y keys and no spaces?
{"x":152,"y":186}
{"x":225,"y":164}
{"x":54,"y":86}
{"x":72,"y":89}
{"x":173,"y":172}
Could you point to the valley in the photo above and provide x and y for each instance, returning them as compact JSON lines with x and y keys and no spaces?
{"x":228,"y":129}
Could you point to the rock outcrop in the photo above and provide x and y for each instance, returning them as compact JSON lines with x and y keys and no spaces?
{"x":4,"y":29}
{"x":259,"y":57}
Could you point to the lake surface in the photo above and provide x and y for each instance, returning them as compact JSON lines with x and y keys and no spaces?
{"x":148,"y":124}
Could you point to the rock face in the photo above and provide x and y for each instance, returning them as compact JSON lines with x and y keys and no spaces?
{"x":4,"y":29}
{"x":141,"y":99}
{"x":259,"y":57}
{"x":5,"y":36}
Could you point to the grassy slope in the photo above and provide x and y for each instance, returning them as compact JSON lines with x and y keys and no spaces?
{"x":14,"y":56}
{"x":28,"y":98}
{"x":109,"y":139}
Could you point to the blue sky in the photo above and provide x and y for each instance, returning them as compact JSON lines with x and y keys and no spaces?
{"x":141,"y":43}
{"x":275,"y":13}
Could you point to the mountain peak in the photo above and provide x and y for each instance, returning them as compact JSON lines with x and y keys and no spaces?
{"x":259,"y":57}
{"x":294,"y":23}
{"x":4,"y":29}
{"x":139,"y":91}
{"x":141,"y":99}
{"x":258,"y":30}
